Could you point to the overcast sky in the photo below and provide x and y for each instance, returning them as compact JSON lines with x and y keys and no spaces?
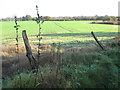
{"x":10,"y":8}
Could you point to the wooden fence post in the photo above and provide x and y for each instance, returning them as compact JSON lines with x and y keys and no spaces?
{"x":100,"y":44}
{"x":28,"y":51}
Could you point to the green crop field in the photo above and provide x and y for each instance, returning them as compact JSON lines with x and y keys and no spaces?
{"x":66,"y":32}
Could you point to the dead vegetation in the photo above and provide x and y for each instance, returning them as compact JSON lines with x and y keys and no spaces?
{"x":10,"y":50}
{"x":10,"y":63}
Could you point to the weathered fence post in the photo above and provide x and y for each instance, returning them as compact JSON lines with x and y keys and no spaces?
{"x":28,"y":51}
{"x":100,"y":44}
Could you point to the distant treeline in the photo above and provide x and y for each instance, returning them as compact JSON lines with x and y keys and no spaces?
{"x":66,"y":18}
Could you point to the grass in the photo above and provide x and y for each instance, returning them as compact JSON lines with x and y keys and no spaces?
{"x":74,"y":70}
{"x":58,"y":31}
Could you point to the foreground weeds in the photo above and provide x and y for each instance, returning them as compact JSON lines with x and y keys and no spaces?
{"x":98,"y":69}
